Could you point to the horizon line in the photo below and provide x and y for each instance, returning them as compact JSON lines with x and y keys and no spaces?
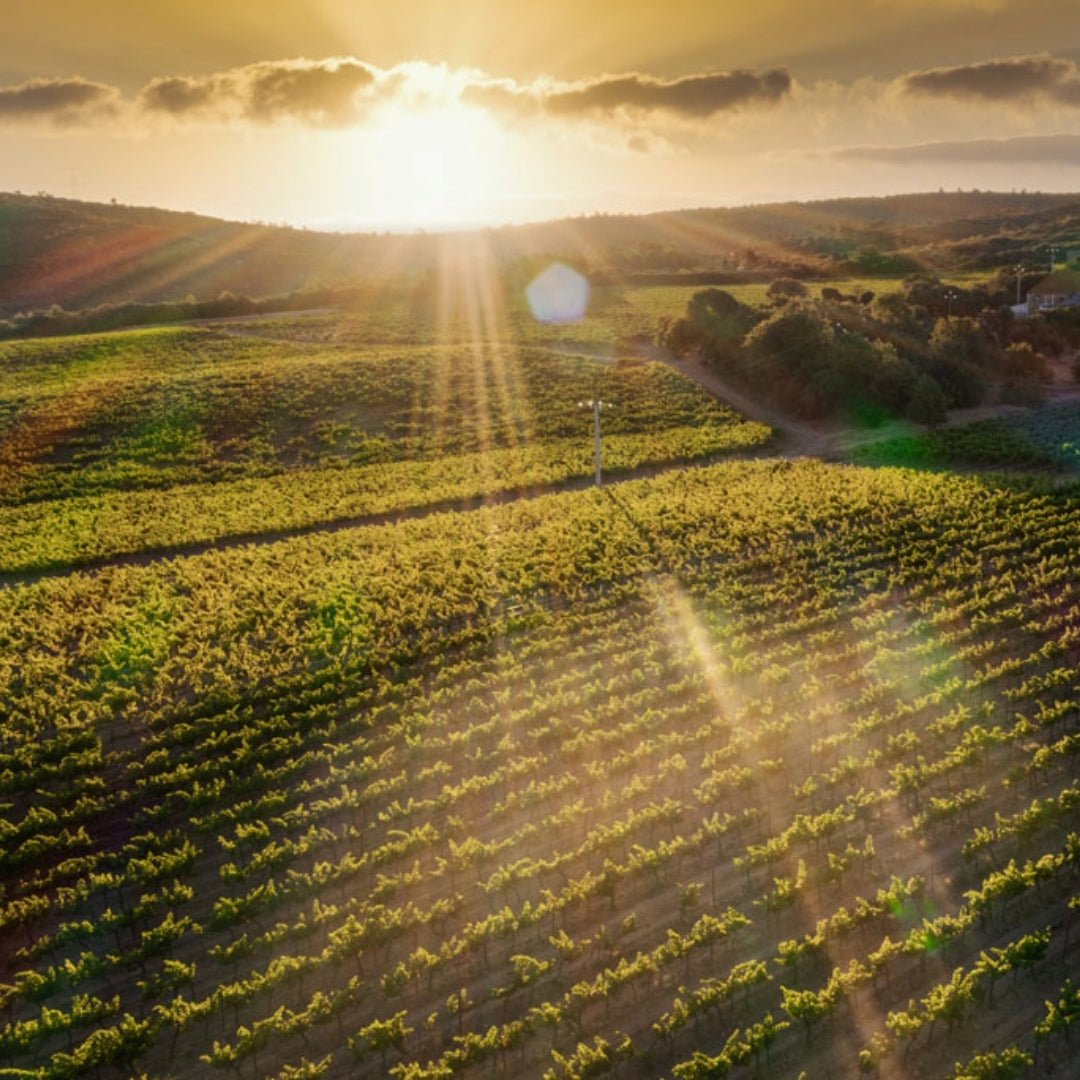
{"x":449,"y":229}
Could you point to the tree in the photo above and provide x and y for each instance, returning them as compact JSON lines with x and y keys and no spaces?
{"x":831,"y":388}
{"x":795,"y":336}
{"x":762,"y":1035}
{"x":893,"y":378}
{"x":1060,"y":1014}
{"x":894,"y":311}
{"x":719,"y":316}
{"x":928,"y":404}
{"x":458,"y":1004}
{"x":963,"y":341}
{"x":1026,"y":952}
{"x":305,"y":1070}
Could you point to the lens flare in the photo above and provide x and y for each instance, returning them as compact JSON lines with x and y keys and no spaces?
{"x":559,"y":295}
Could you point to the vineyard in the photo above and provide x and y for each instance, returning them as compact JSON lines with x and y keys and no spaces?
{"x":154,"y":440}
{"x":155,"y":408}
{"x":758,"y":768}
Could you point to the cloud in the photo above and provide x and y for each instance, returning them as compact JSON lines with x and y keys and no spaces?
{"x":340,"y":92}
{"x":325,"y":93}
{"x":692,"y":96}
{"x":1060,"y":149}
{"x":1014,"y":79}
{"x":63,"y":102}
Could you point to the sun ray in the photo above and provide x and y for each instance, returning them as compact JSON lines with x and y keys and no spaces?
{"x":503,"y":356}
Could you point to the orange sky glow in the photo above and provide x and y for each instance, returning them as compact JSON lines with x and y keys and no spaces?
{"x":425,"y":113}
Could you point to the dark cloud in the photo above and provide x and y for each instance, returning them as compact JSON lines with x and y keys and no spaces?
{"x":695,"y":96}
{"x":322,"y":92}
{"x":1063,"y":149}
{"x":178,"y":95}
{"x":1014,"y":79}
{"x":59,"y":101}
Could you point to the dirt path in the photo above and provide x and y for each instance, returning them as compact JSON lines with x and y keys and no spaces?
{"x":798,"y":439}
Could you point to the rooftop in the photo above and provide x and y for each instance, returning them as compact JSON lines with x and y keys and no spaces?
{"x":1060,"y":282}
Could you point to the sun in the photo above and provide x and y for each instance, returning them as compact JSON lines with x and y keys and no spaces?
{"x":433,"y":166}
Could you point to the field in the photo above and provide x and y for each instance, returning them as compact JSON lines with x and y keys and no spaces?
{"x":155,"y":439}
{"x":347,"y":733}
{"x":615,"y":313}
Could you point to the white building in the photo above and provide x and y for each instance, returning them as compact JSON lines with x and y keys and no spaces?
{"x":1057,"y":290}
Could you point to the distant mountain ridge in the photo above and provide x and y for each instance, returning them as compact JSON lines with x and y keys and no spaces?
{"x":77,"y":254}
{"x":80,"y":254}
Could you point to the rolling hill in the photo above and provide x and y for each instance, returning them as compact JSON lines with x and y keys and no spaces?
{"x":80,"y":255}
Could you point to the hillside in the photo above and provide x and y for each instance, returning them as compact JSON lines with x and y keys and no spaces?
{"x":892,"y":220}
{"x":79,"y":255}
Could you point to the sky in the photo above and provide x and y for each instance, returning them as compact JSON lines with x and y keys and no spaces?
{"x":352,"y":114}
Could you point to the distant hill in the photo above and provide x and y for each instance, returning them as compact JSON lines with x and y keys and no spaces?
{"x":79,"y":254}
{"x":944,"y":230}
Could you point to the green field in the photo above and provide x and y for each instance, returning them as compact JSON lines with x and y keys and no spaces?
{"x":347,"y":732}
{"x":1047,"y":437}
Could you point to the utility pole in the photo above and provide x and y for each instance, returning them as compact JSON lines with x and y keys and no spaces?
{"x":596,"y":405}
{"x":1019,"y":272}
{"x":950,"y":296}
{"x":596,"y":441}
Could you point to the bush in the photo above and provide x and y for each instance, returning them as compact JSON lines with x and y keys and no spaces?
{"x":786,"y":289}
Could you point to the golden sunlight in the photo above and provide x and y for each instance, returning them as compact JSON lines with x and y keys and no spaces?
{"x":434,"y":166}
